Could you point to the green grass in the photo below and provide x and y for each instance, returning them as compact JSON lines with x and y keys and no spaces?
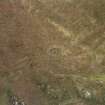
{"x":100,"y":77}
{"x":4,"y":99}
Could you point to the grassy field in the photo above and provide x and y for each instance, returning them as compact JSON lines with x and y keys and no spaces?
{"x":52,"y":52}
